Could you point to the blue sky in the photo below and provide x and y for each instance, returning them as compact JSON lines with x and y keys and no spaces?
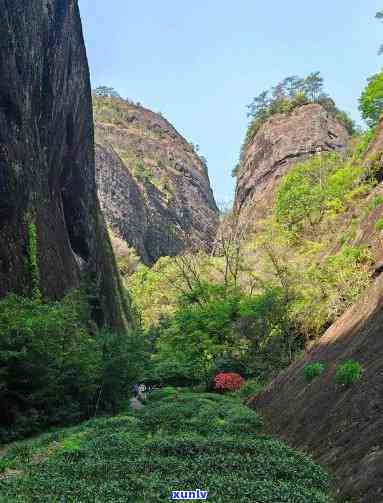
{"x":201,"y":62}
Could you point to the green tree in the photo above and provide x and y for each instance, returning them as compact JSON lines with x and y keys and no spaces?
{"x":259,"y":106}
{"x":56,"y":367}
{"x":293,"y":85}
{"x":313,"y":86}
{"x":106,"y":92}
{"x":371,"y":100}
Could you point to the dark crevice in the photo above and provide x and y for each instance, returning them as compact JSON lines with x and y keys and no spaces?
{"x":70,"y":130}
{"x":332,"y":135}
{"x":74,"y":225}
{"x":378,"y":271}
{"x":9,"y":108}
{"x":96,"y":311}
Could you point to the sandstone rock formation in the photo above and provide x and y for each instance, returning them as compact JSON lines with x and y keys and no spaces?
{"x":153,"y":187}
{"x":51,"y":229}
{"x":282,"y":141}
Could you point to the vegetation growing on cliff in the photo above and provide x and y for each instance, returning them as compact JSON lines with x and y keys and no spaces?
{"x":33,"y":257}
{"x":286,"y":96}
{"x":259,"y":301}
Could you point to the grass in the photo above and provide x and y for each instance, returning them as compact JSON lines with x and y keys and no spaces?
{"x":178,"y":441}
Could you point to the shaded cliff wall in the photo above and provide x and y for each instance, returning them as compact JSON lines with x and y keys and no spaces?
{"x":47,"y":182}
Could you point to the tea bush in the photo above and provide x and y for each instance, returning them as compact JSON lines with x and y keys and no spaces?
{"x":250,"y":388}
{"x":348,"y":373}
{"x":193,"y":440}
{"x":313,"y":370}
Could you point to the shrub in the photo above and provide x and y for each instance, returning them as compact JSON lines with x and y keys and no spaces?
{"x":348,"y":373}
{"x":364,"y":142}
{"x":379,"y":224}
{"x":228,"y":381}
{"x":250,"y":388}
{"x":54,"y":370}
{"x":313,"y":370}
{"x":318,"y":188}
{"x":375,"y":202}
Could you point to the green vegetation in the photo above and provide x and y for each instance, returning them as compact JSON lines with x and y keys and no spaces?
{"x":254,"y":306}
{"x":179,"y":441}
{"x":251,"y":388}
{"x":33,"y":257}
{"x":318,"y":190}
{"x":106,"y":92}
{"x":313,"y":370}
{"x":348,"y":373}
{"x":249,"y":310}
{"x":375,"y":202}
{"x":371,"y":100}
{"x":286,"y":96}
{"x":141,"y":172}
{"x":364,"y":142}
{"x":56,"y":368}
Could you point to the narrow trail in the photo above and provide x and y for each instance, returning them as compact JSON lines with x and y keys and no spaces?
{"x":135,"y":404}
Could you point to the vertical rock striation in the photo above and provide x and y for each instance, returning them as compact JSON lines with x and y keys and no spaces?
{"x":47,"y":182}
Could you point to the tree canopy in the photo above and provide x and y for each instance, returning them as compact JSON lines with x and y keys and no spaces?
{"x":371,"y":100}
{"x":290,"y":93}
{"x":106,"y":92}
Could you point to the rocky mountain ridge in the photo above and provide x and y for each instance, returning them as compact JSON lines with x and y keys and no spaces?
{"x":153,"y":186}
{"x":282,"y":141}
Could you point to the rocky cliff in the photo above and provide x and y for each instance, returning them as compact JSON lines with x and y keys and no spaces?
{"x":153,"y":187}
{"x":51,"y":229}
{"x":282,"y":141}
{"x":342,"y":427}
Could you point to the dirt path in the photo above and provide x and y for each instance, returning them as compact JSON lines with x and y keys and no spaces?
{"x":135,"y":404}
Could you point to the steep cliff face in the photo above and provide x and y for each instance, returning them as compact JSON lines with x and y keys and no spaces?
{"x":154,"y":189}
{"x":282,"y":141}
{"x":51,"y":229}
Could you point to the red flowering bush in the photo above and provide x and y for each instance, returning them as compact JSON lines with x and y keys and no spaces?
{"x":228,"y":381}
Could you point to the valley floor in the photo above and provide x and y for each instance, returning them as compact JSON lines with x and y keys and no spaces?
{"x":179,"y":441}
